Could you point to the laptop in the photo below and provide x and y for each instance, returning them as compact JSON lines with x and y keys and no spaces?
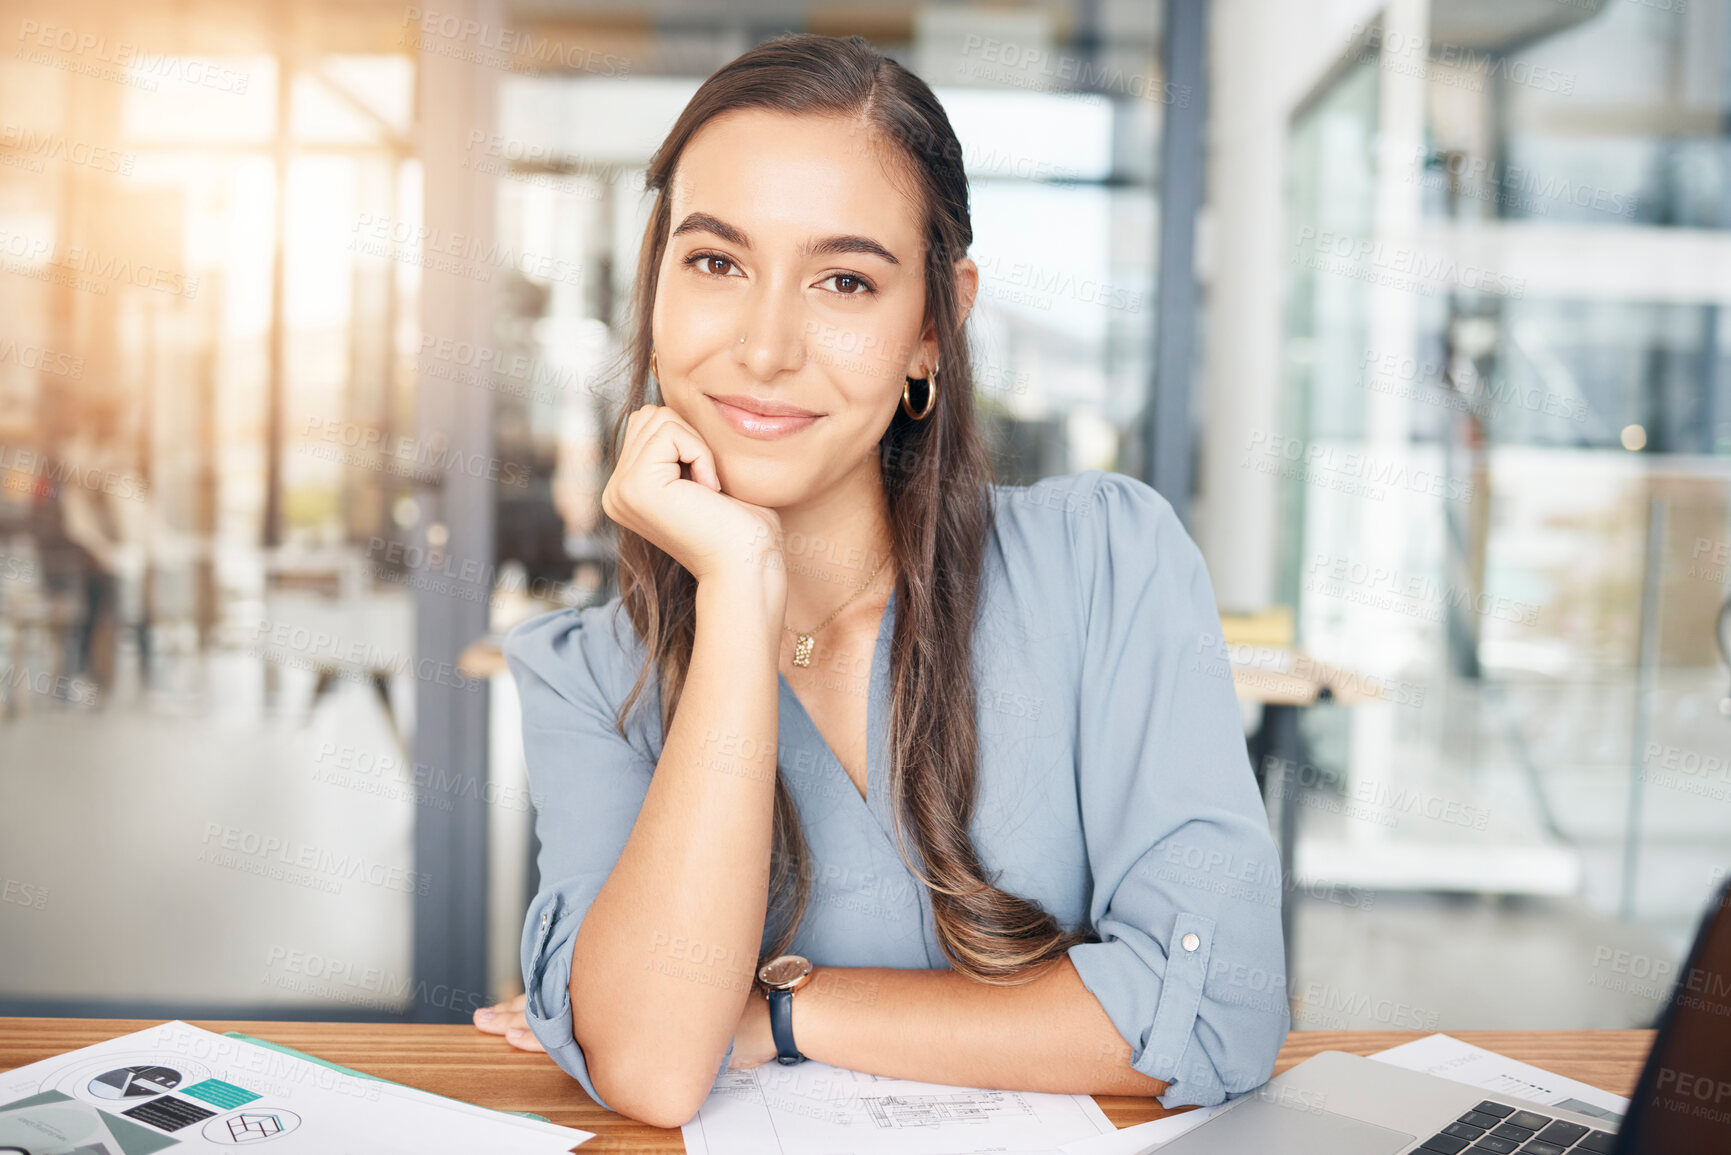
{"x":1340,"y":1104}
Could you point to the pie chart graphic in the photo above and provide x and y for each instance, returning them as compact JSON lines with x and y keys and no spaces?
{"x":134,"y":1082}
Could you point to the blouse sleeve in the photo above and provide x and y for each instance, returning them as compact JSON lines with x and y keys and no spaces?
{"x":588,"y":784}
{"x":1186,"y":884}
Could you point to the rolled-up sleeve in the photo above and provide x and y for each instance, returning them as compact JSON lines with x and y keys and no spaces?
{"x":588,"y":784}
{"x":1186,"y":894}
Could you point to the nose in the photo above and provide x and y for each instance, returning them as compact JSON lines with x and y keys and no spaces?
{"x":773,"y":327}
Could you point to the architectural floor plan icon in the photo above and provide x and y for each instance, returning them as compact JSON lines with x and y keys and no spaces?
{"x":253,"y":1125}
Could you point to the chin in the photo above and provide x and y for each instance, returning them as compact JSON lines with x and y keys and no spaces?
{"x":760,"y":481}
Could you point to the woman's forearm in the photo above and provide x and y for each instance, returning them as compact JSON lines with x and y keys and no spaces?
{"x":939,"y":1026}
{"x":663,"y":960}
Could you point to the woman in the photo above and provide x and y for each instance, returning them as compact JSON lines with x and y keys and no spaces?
{"x":959,"y":758}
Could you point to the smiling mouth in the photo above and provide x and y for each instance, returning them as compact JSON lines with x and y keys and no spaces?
{"x":762,"y":406}
{"x":747,"y":416}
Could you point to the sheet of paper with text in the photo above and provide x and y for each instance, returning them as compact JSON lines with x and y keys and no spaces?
{"x":811,"y":1107}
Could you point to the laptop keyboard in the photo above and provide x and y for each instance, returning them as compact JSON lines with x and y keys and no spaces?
{"x":1504,"y":1130}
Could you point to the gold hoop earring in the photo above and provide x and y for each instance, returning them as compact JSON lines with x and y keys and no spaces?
{"x":656,"y":373}
{"x":931,"y":396}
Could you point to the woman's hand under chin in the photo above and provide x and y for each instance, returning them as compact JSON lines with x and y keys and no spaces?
{"x":508,"y":1019}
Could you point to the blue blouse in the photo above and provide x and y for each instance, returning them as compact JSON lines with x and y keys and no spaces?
{"x":1114,"y":789}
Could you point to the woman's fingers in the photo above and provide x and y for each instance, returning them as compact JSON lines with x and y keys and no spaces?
{"x":663,"y":438}
{"x":502,"y":1018}
{"x":509,"y":1019}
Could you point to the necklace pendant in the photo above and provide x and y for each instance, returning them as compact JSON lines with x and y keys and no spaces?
{"x":802,"y":650}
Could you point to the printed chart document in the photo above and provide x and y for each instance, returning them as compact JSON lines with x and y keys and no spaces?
{"x":176,"y":1088}
{"x":1464,"y":1063}
{"x":813,"y":1109}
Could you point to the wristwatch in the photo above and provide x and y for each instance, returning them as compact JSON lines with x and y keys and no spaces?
{"x":781,"y":976}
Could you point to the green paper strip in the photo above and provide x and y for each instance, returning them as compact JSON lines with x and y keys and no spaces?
{"x":362,"y":1074}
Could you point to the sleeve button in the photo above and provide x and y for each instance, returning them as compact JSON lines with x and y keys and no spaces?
{"x":547,"y":917}
{"x":1191,"y":942}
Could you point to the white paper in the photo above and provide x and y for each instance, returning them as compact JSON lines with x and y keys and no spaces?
{"x":1450,"y":1058}
{"x":811,"y":1108}
{"x":1142,"y":1137}
{"x":1441,"y":1055}
{"x":154,"y":1082}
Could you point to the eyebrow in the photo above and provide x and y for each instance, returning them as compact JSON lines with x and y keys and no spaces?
{"x":846,"y":243}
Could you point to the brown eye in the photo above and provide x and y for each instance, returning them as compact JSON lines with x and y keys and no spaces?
{"x":849,"y":285}
{"x":710,"y":263}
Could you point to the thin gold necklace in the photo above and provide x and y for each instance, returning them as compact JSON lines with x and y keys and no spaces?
{"x":804,"y":639}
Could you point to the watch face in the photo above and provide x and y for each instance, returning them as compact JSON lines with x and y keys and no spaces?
{"x":784,"y":970}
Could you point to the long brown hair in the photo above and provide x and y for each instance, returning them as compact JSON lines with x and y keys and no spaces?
{"x":937,"y":482}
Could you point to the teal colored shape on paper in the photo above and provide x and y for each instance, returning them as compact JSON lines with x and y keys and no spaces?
{"x":220,"y":1094}
{"x":133,"y":1138}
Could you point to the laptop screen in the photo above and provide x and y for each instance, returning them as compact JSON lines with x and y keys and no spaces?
{"x":1683,"y":1103}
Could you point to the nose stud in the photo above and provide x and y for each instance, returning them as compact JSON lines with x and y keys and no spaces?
{"x":742,"y":340}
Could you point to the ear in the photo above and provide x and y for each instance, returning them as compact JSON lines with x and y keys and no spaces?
{"x":967,"y":286}
{"x":967,"y":291}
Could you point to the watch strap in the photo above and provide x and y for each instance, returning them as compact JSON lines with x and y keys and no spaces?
{"x":781,"y":1027}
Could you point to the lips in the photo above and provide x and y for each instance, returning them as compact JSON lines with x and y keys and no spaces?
{"x":762,"y":406}
{"x":760,"y":418}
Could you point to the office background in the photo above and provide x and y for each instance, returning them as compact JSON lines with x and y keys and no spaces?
{"x":1415,"y":310}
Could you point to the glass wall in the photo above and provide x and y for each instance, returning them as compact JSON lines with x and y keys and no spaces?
{"x":203,"y":684}
{"x":1507,"y":478}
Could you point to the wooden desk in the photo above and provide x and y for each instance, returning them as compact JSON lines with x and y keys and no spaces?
{"x":463,"y":1063}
